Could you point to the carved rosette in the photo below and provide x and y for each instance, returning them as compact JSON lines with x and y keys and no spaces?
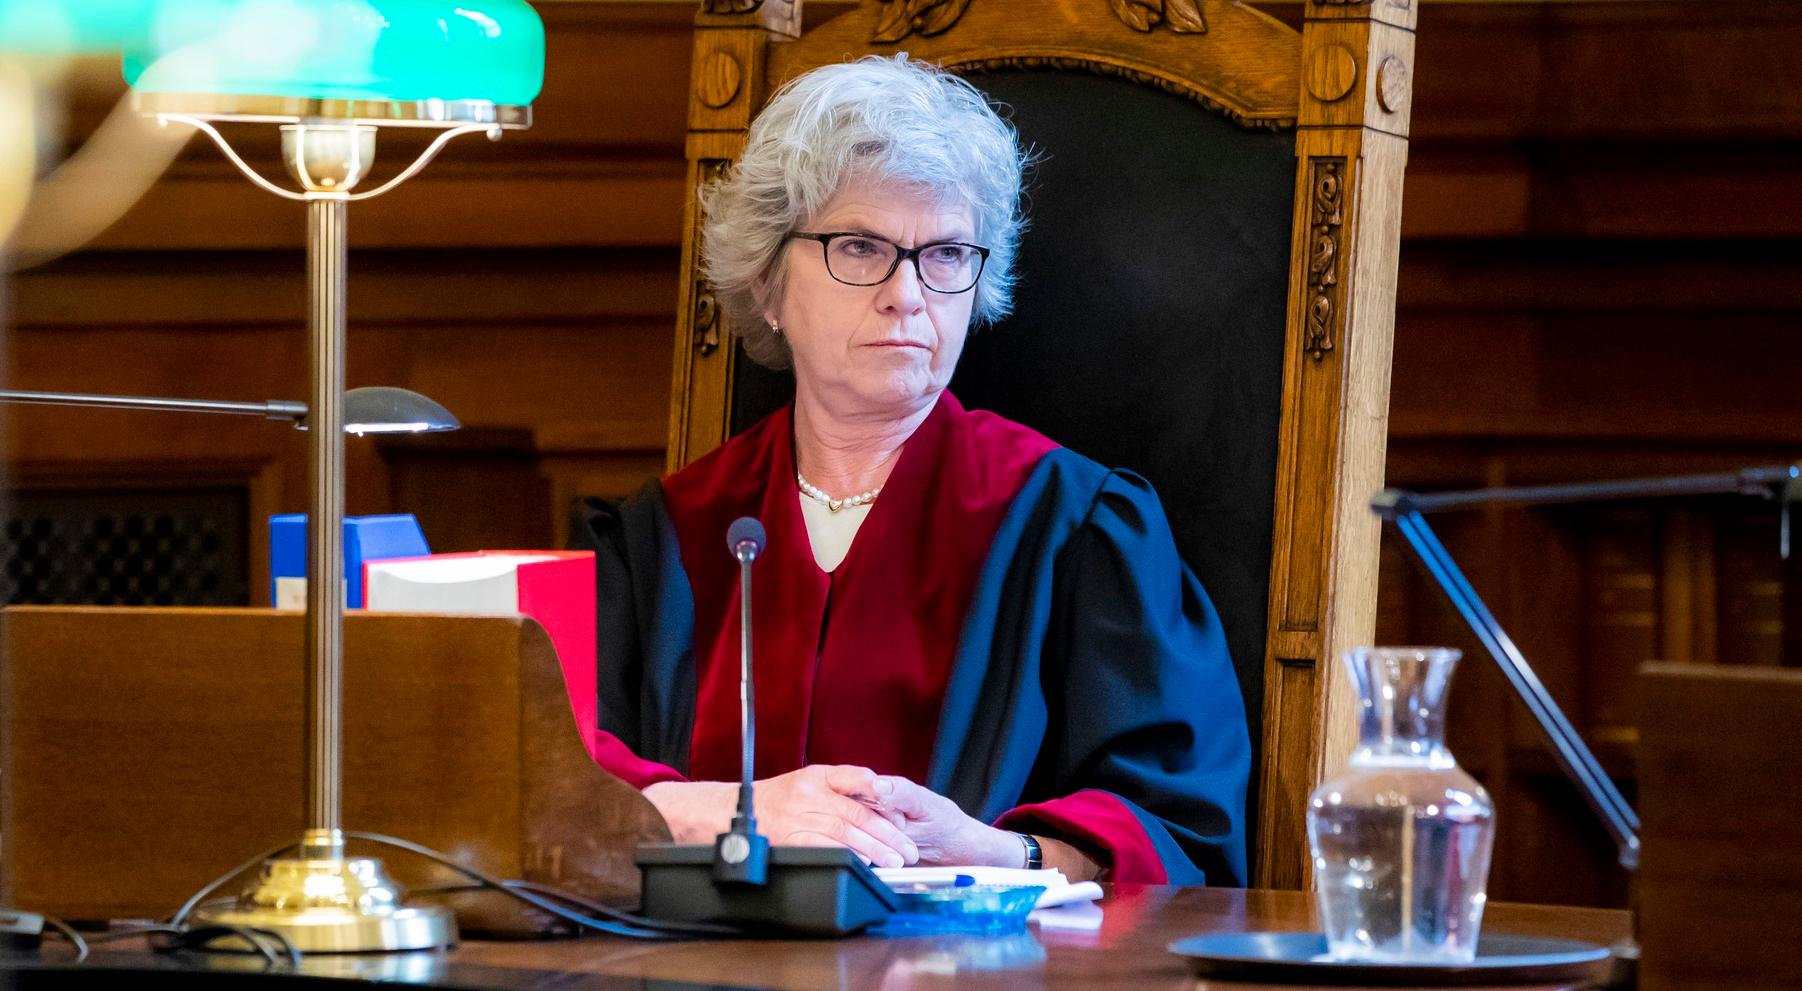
{"x":1392,"y":84}
{"x":706,"y":324}
{"x":1181,"y":16}
{"x":1326,"y":214}
{"x":720,"y":78}
{"x":730,"y":6}
{"x":903,"y":18}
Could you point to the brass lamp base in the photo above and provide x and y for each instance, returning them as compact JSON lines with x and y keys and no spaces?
{"x":335,"y":905}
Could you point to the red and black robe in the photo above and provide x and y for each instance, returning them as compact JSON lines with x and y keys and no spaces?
{"x":1011,"y":627}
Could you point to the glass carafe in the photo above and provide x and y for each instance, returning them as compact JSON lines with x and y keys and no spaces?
{"x":1401,"y":839}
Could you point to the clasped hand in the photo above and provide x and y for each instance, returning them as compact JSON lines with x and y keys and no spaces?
{"x":885,"y":819}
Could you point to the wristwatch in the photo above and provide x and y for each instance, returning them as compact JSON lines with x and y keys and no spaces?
{"x":1035,"y":854}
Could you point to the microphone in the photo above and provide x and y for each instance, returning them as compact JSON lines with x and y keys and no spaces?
{"x":741,"y":855}
{"x":741,"y":880}
{"x":744,"y":538}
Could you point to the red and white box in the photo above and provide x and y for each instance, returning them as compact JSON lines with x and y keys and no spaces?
{"x":556,"y":588}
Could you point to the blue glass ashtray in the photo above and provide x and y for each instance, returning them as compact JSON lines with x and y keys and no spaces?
{"x":972,"y":910}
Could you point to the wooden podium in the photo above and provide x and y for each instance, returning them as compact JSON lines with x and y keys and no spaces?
{"x":1720,"y":877}
{"x":145,"y":751}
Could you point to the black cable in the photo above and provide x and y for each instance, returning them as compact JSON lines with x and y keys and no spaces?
{"x":166,"y":938}
{"x":618,"y":923}
{"x":584,"y":914}
{"x":174,"y":936}
{"x":181,"y":914}
{"x":563,"y":927}
{"x":133,"y":931}
{"x":601,"y":909}
{"x":176,"y":939}
{"x":68,"y":932}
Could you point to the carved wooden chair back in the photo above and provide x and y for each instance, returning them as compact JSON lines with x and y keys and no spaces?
{"x":1206,"y":295}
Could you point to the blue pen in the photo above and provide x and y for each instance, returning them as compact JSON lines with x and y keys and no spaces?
{"x":930,"y":884}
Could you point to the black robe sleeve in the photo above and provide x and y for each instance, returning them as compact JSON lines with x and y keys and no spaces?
{"x":1104,"y":707}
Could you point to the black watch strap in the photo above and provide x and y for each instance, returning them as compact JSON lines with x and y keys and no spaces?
{"x":1035,"y":854}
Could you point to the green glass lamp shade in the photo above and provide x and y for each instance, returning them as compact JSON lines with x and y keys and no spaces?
{"x":368,"y":51}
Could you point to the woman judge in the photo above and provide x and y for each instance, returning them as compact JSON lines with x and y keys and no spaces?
{"x":972,"y":646}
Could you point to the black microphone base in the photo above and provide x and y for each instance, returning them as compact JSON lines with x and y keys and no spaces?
{"x":809,"y":891}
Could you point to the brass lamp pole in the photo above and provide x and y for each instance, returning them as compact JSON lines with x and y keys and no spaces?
{"x":319,"y":899}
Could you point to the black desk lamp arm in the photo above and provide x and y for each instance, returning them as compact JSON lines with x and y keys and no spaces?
{"x":1567,"y":747}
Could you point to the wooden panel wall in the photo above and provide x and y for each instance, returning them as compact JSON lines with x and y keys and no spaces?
{"x":1598,"y":279}
{"x":527,"y":284}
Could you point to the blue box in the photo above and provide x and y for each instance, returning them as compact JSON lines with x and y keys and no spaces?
{"x":366,"y":538}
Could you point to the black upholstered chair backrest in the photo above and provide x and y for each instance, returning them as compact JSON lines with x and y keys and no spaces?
{"x":1148,"y":325}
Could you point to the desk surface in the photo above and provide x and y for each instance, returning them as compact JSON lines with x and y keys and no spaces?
{"x":1127,"y":954}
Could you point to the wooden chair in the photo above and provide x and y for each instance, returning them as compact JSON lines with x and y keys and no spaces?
{"x":1206,"y":296}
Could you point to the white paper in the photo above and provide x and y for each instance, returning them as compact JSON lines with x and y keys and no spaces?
{"x":1079,"y":917}
{"x":1058,"y":889}
{"x":1070,"y":894}
{"x":482,"y":585}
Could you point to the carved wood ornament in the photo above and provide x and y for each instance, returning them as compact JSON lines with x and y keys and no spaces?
{"x":730,"y":6}
{"x":706,"y":307}
{"x":1181,"y":16}
{"x":707,"y":320}
{"x":1326,"y":215}
{"x":901,"y":18}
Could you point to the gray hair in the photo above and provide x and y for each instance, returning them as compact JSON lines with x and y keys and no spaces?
{"x":884,"y":119}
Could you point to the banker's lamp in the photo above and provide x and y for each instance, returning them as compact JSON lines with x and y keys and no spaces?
{"x":331,"y":74}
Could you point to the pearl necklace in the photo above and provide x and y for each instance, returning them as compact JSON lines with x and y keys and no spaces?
{"x":813,"y":492}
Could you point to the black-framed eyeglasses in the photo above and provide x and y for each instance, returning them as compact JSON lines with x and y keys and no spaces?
{"x":859,"y":259}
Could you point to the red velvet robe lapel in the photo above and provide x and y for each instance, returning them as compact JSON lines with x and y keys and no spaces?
{"x":850,"y":667}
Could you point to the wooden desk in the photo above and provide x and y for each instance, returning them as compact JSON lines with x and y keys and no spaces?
{"x":1127,"y":954}
{"x":144,"y":751}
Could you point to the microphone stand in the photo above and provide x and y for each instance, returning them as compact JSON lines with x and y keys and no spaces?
{"x":1407,"y":512}
{"x":741,"y":880}
{"x":741,"y":855}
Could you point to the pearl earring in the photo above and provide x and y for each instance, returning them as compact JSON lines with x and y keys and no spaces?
{"x":774,"y":329}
